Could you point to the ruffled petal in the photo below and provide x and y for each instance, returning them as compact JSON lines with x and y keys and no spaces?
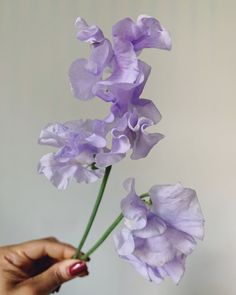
{"x":58,"y":173}
{"x":82,"y":79}
{"x":154,"y":227}
{"x":144,"y":141}
{"x":53,"y":135}
{"x":179,"y":207}
{"x":154,"y":35}
{"x":91,"y":34}
{"x":175,"y":268}
{"x":154,"y":275}
{"x":156,"y":251}
{"x":134,"y":210}
{"x":147,"y":109}
{"x":124,"y":242}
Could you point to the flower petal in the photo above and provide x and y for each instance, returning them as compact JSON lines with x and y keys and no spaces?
{"x":179,"y":207}
{"x":82,"y":79}
{"x":60,"y":174}
{"x":154,"y":227}
{"x":175,"y":268}
{"x":124,"y":242}
{"x":144,"y":141}
{"x":91,"y":34}
{"x":153,"y":34}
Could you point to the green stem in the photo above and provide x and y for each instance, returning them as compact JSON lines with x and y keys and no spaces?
{"x":94,"y":212}
{"x":103,"y":237}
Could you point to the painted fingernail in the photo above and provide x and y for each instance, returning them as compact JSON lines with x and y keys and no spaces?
{"x":77,"y":268}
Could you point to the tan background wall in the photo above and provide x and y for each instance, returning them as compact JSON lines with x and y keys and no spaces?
{"x":194,"y":87}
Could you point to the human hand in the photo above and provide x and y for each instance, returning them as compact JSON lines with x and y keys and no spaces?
{"x":37,"y":267}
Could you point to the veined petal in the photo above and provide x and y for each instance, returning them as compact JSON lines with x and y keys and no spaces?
{"x":82,"y":80}
{"x":53,"y":135}
{"x":179,"y":207}
{"x":59,"y":174}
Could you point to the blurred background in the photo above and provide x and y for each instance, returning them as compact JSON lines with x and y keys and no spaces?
{"x":194,"y":87}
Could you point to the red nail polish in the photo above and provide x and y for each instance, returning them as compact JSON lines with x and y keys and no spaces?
{"x":77,"y":268}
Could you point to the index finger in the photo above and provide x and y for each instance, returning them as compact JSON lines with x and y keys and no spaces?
{"x":46,"y":247}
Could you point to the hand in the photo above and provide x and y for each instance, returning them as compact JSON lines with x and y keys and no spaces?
{"x":37,"y":267}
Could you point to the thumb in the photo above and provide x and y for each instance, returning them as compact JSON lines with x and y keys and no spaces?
{"x":56,"y":275}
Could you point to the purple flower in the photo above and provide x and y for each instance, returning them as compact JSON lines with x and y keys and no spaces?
{"x":78,"y":143}
{"x":129,"y":39}
{"x":128,"y":75}
{"x":160,"y":231}
{"x":82,"y":151}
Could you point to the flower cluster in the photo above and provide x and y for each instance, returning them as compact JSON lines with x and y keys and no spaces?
{"x":160,"y":231}
{"x":116,"y":75}
{"x":161,"y":226}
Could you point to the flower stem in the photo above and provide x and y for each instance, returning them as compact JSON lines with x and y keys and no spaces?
{"x":103,"y":237}
{"x":94,"y":212}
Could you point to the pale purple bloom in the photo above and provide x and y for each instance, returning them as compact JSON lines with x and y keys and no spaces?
{"x":82,"y":151}
{"x":87,"y":77}
{"x":158,"y":235}
{"x":78,"y":143}
{"x":129,"y":38}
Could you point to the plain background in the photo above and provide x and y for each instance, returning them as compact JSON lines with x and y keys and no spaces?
{"x":194,"y":87}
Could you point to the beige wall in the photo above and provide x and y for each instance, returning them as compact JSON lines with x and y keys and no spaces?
{"x":194,"y":88}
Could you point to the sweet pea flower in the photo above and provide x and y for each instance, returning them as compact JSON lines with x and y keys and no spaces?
{"x":78,"y":142}
{"x":129,"y":38}
{"x":82,"y":151}
{"x":161,"y":231}
{"x":87,"y":77}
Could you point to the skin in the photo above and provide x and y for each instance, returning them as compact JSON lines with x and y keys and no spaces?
{"x":36,"y":267}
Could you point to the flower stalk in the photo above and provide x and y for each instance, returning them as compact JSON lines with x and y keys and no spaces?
{"x":94,"y":212}
{"x":103,"y":237}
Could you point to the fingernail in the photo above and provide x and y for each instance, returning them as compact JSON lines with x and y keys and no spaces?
{"x":77,"y":268}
